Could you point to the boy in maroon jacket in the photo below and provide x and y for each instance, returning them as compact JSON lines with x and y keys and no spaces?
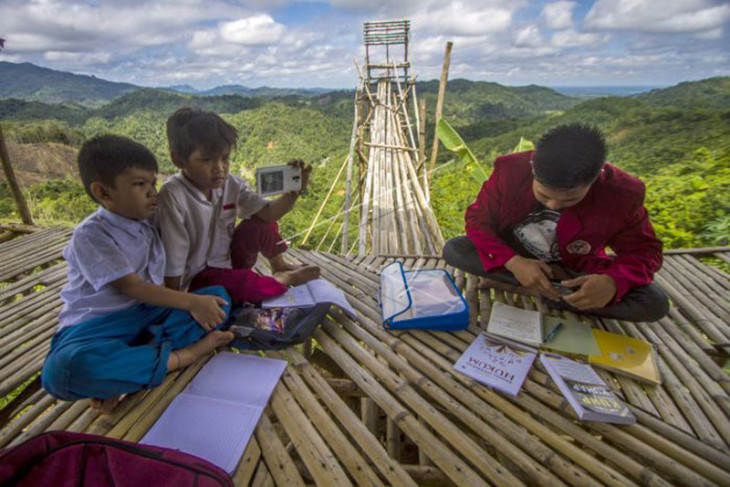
{"x":544,"y":219}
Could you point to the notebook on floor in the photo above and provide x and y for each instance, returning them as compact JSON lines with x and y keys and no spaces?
{"x":216,"y":415}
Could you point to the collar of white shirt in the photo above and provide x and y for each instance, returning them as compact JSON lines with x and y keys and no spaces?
{"x":217,"y":192}
{"x":129,"y":225}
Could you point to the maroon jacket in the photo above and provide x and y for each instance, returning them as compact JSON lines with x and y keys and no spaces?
{"x":612,"y":214}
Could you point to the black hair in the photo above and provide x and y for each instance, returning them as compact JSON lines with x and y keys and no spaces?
{"x":569,"y":156}
{"x":104,"y":157}
{"x":192,"y":128}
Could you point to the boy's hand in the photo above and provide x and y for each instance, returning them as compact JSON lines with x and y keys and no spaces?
{"x":207,"y":310}
{"x":595,"y":291}
{"x":533,"y":274}
{"x":306,"y":171}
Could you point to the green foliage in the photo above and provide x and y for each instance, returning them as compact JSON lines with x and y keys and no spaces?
{"x":453,"y":142}
{"x":53,"y":202}
{"x":689,"y":201}
{"x":524,"y":145}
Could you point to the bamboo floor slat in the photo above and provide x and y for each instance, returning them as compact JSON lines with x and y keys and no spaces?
{"x":365,"y":406}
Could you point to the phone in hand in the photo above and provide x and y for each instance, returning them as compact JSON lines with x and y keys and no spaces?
{"x":273,"y":180}
{"x":563,"y":290}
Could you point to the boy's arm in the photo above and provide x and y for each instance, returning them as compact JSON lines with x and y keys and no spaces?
{"x":638,"y":254}
{"x":279,"y":207}
{"x":206,"y":310}
{"x":173,"y":282}
{"x":175,"y":238}
{"x":482,"y":219}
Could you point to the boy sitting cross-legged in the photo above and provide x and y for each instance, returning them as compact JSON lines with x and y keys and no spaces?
{"x":198,"y":211}
{"x":120,"y":329}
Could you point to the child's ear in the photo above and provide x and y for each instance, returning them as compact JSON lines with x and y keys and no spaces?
{"x":100,"y":192}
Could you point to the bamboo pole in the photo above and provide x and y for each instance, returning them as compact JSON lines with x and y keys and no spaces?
{"x":440,"y":105}
{"x":345,"y":451}
{"x":281,"y":465}
{"x":324,"y":202}
{"x":350,"y":156}
{"x":390,"y":469}
{"x":310,"y":446}
{"x":13,"y":182}
{"x":455,"y":468}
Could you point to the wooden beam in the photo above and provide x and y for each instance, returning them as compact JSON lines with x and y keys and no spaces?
{"x":440,"y":104}
{"x":13,"y":182}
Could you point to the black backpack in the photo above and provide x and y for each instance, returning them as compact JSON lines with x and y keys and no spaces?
{"x":274,"y":328}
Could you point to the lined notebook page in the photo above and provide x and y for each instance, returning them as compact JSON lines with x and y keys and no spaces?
{"x":215,"y":416}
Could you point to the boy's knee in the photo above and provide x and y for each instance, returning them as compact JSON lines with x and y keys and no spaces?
{"x":659,"y":304}
{"x":255,"y":226}
{"x":60,"y":367}
{"x":458,"y":250}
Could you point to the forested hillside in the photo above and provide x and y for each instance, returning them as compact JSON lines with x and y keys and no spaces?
{"x":677,"y":140}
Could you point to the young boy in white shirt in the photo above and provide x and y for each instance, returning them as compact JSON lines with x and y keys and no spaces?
{"x":120,"y":329}
{"x":198,"y":211}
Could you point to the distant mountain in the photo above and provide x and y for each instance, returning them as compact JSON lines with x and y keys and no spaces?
{"x":711,"y":93}
{"x":468,"y":102}
{"x":29,"y":82}
{"x":600,"y":91}
{"x":262,"y":92}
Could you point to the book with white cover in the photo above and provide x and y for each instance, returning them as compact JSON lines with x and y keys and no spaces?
{"x":215,"y":416}
{"x":586,"y":392}
{"x":310,"y":294}
{"x":496,"y":362}
{"x":522,"y":325}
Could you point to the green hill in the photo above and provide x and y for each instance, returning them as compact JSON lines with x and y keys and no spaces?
{"x":710,"y":94}
{"x":27,"y":81}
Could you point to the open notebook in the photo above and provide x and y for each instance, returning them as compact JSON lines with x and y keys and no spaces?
{"x":216,"y":414}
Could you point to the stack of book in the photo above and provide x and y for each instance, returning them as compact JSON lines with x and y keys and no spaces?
{"x":502,"y":357}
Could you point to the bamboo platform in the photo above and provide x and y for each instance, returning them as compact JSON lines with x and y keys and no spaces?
{"x":362,"y":406}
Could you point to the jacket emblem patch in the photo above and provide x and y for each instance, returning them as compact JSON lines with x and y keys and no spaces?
{"x":580,"y":247}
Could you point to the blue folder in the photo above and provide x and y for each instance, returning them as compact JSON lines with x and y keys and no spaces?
{"x":423,"y":299}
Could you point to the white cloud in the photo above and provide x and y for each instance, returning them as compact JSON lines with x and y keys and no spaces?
{"x":571,"y":38}
{"x":462,"y":18}
{"x":659,"y":16}
{"x":558,"y":15}
{"x":252,"y":31}
{"x":528,"y":37}
{"x":78,"y":58}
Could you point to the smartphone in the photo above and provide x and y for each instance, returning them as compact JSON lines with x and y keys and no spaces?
{"x":274,"y":180}
{"x":563,"y":290}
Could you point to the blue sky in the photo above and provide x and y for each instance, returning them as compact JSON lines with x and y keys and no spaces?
{"x":301,"y":43}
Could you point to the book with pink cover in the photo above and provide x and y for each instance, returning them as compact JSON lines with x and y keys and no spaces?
{"x":216,"y":415}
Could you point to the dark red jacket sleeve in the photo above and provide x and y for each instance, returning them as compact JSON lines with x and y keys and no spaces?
{"x":482,"y":219}
{"x":638,"y":253}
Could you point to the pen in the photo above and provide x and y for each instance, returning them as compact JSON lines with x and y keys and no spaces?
{"x":553,"y":332}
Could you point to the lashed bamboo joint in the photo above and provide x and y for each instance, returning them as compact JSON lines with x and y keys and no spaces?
{"x":379,"y":408}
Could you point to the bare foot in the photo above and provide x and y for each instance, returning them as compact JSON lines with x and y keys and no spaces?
{"x":279,"y":264}
{"x":105,"y":406}
{"x":298,"y":276}
{"x":186,"y":356}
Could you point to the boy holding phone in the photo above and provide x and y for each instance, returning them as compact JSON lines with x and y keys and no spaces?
{"x":198,"y":208}
{"x":544,"y":218}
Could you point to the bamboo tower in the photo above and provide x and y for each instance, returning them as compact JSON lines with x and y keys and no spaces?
{"x":390,"y":196}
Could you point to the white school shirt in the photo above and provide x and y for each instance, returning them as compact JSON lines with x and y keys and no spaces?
{"x":197,"y":233}
{"x":104,"y":248}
